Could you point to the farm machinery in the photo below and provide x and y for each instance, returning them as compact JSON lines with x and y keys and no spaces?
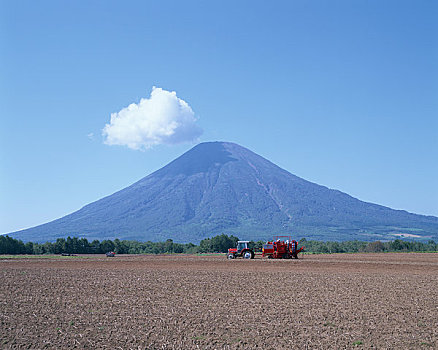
{"x":281,"y":247}
{"x":241,"y":251}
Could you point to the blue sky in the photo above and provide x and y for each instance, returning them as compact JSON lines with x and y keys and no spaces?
{"x":341,"y":93}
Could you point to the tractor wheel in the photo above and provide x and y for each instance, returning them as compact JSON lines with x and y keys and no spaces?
{"x":230,"y":256}
{"x":248,"y":255}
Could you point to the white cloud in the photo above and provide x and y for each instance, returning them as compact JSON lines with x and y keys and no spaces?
{"x":161,"y":119}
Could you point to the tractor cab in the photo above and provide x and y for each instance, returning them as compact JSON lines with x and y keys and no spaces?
{"x":241,"y":251}
{"x":241,"y":245}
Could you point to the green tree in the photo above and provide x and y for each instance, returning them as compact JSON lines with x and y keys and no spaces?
{"x":60,"y":246}
{"x":218,"y":244}
{"x":84,"y":246}
{"x":374,"y":247}
{"x":121,"y":247}
{"x":95,"y":247}
{"x":168,"y":246}
{"x":205,"y":246}
{"x":432,"y":246}
{"x":107,"y":246}
{"x":29,"y":247}
{"x":9,"y":245}
{"x":38,"y":249}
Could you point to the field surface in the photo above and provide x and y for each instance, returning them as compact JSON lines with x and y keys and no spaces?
{"x":339,"y":301}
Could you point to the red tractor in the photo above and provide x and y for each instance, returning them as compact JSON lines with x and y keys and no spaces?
{"x":282,"y":247}
{"x":242,"y":250}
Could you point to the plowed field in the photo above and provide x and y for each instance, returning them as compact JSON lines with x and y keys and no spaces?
{"x":339,"y":301}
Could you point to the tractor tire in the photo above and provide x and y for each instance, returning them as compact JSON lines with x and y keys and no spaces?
{"x":248,"y":254}
{"x":231,"y":256}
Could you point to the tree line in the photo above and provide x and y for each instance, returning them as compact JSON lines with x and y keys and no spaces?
{"x":397,"y":245}
{"x":217,"y":244}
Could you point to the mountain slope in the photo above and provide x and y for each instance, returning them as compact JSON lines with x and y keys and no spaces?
{"x":219,"y":187}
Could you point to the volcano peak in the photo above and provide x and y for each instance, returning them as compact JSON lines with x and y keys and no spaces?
{"x":222,"y":187}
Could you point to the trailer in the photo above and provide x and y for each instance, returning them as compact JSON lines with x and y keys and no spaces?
{"x":281,"y":247}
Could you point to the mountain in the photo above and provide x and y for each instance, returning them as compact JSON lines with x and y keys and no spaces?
{"x":220,"y":187}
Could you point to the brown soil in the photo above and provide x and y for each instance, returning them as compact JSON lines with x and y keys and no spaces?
{"x":339,"y":301}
